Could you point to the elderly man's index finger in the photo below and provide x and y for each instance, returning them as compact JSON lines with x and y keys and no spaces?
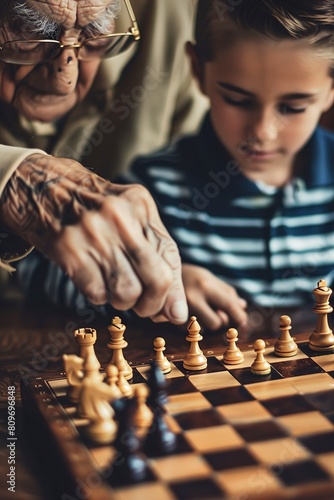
{"x":153,"y":255}
{"x":160,"y":274}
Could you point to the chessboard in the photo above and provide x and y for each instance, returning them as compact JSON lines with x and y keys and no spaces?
{"x":239,"y":435}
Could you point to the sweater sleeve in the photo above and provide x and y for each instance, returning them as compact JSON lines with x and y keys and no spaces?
{"x":12,"y":247}
{"x":41,"y":280}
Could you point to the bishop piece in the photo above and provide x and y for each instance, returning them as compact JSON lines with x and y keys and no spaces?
{"x":194,"y":359}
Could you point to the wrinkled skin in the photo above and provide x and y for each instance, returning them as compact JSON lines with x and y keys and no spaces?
{"x":109,"y":239}
{"x":48,"y":91}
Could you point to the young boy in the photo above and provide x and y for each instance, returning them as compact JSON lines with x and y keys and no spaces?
{"x":250,"y":199}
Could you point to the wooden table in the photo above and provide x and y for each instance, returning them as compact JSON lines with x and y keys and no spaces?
{"x":33,"y":339}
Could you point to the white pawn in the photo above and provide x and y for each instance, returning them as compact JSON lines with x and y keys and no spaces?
{"x":123,"y":385}
{"x":143,"y":416}
{"x":260,"y":365}
{"x":111,"y":380}
{"x":194,"y":359}
{"x":232,"y":355}
{"x":159,"y":346}
{"x":285,"y":346}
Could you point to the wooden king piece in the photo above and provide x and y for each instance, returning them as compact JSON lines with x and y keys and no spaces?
{"x":117,"y":344}
{"x":322,"y":338}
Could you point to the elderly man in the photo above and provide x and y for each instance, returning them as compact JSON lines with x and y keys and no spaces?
{"x":108,"y":238}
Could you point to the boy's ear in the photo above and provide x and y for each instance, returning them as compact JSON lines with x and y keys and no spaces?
{"x":196,"y":65}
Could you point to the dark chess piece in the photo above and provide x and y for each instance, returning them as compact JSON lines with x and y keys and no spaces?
{"x":160,"y":440}
{"x":129,"y":466}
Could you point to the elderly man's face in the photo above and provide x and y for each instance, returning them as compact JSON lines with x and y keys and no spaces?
{"x":48,"y":91}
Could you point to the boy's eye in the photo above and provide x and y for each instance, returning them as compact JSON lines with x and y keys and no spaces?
{"x":243,"y":103}
{"x":284,"y":109}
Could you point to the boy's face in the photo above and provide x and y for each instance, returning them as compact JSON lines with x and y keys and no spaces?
{"x":266,"y":99}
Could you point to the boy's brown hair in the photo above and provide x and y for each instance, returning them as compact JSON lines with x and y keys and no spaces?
{"x":219,"y":22}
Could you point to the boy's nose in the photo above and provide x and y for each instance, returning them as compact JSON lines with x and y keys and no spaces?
{"x":265,"y":127}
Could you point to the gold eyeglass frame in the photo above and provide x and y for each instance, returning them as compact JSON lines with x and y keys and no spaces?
{"x":133,"y":31}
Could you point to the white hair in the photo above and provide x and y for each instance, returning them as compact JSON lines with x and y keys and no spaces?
{"x":35,"y":23}
{"x":105,"y":23}
{"x":32,"y":21}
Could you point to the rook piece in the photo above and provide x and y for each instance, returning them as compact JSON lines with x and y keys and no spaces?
{"x":86,"y":338}
{"x":194,"y":359}
{"x":322,"y":338}
{"x":285,"y":346}
{"x":117,"y":344}
{"x":260,"y":365}
{"x":160,"y":358}
{"x":232,"y":355}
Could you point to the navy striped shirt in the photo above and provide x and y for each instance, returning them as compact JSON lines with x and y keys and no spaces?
{"x":272,"y":245}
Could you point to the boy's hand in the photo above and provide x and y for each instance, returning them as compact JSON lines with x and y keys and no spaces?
{"x":215,"y":303}
{"x":108,"y":238}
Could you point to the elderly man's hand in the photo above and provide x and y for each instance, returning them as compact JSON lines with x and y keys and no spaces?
{"x":108,"y":238}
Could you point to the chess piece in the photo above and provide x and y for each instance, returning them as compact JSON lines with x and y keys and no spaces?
{"x":159,"y":347}
{"x":86,"y":338}
{"x":143,"y":416}
{"x":322,"y":338}
{"x":232,"y":355}
{"x":111,"y":380}
{"x":160,"y":440}
{"x":260,"y":365}
{"x":94,"y":404}
{"x":73,"y":367}
{"x":194,"y":359}
{"x":123,"y":385}
{"x":129,"y":465}
{"x":117,"y":344}
{"x":285,"y":346}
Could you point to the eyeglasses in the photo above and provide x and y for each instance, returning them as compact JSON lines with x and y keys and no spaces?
{"x":30,"y":52}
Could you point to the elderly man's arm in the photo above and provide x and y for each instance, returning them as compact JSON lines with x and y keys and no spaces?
{"x":108,"y":238}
